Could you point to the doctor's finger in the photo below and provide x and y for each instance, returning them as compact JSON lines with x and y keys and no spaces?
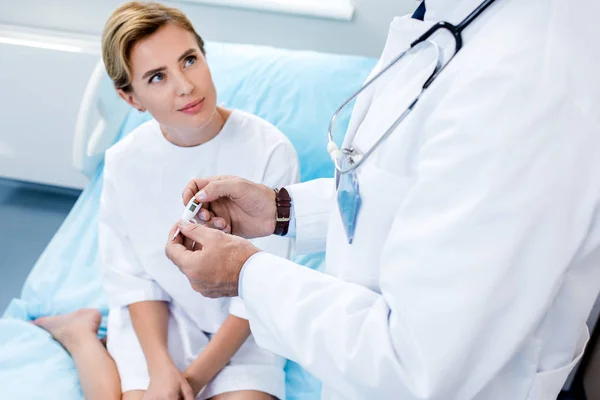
{"x":207,"y":218}
{"x":197,"y":184}
{"x":179,"y":240}
{"x":231,"y":188}
{"x":191,"y":189}
{"x":179,"y":254}
{"x":219,"y":224}
{"x":172,"y":237}
{"x":189,"y":244}
{"x":204,"y":215}
{"x":198,"y":233}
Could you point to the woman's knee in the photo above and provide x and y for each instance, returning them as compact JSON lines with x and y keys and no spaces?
{"x":133,"y":395}
{"x":243,"y":395}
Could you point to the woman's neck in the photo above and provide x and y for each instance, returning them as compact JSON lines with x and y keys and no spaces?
{"x":197,"y":136}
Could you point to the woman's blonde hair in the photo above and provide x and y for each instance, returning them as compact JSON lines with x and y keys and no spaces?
{"x":127,"y":25}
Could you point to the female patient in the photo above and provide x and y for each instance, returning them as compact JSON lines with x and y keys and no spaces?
{"x":167,"y":341}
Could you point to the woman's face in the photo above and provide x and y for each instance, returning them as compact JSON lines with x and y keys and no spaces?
{"x":171,"y":79}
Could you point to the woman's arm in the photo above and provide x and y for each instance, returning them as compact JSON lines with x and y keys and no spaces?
{"x":223,"y":345}
{"x":150,"y":321}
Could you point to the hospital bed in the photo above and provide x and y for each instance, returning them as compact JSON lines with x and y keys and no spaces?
{"x":296,"y":91}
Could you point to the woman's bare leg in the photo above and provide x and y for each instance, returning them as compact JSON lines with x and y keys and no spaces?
{"x":243,"y":395}
{"x":77,"y":333}
{"x":134,"y":395}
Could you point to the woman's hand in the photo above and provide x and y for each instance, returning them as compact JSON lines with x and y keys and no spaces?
{"x":168,"y":383}
{"x":196,"y":381}
{"x":228,"y":339}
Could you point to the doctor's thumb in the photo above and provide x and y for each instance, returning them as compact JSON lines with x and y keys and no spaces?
{"x":219,"y":188}
{"x":196,"y":232}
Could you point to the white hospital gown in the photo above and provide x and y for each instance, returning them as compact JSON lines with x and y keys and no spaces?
{"x":144,"y":176}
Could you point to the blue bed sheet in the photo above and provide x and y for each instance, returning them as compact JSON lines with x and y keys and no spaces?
{"x":296,"y":91}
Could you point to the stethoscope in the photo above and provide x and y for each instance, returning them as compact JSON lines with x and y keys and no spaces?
{"x":348,"y":159}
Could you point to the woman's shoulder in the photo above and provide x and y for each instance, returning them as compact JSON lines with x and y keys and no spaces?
{"x":128,"y":147}
{"x":280,"y":164}
{"x":253,"y":129}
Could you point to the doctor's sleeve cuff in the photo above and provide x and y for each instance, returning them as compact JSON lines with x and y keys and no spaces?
{"x":291,"y":233}
{"x":255,"y":258}
{"x":311,"y":206}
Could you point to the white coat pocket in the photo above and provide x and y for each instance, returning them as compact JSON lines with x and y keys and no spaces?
{"x":547,"y":384}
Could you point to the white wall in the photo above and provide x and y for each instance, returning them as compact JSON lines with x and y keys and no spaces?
{"x":39,"y":101}
{"x":364,"y":35}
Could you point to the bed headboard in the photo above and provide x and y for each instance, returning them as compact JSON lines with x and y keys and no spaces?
{"x":101,"y":115}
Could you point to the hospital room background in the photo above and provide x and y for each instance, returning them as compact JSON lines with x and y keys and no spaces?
{"x":289,"y":61}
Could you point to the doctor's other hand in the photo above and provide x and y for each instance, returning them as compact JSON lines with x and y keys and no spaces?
{"x":246,"y":207}
{"x":209,"y":258}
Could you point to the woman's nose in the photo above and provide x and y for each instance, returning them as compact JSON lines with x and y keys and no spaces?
{"x":183,"y":85}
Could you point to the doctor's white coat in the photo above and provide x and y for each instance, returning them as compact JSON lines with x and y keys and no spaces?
{"x":476,"y":259}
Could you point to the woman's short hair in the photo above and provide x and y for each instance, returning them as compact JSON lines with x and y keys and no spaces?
{"x":127,"y":25}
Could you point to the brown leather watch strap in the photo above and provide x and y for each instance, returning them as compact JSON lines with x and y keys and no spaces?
{"x":283,"y":201}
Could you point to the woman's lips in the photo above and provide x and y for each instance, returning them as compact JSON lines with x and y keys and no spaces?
{"x":193,"y":107}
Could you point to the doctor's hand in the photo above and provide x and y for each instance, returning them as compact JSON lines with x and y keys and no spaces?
{"x":247,"y":208}
{"x":208,"y":218}
{"x":209,"y":258}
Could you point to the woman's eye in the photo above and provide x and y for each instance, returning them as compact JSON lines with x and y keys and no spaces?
{"x":190,"y":61}
{"x":157,"y":78}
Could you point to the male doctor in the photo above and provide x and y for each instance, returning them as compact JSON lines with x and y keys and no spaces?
{"x":476,"y":256}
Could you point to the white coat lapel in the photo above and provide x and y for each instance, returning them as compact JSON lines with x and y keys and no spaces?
{"x":393,"y":89}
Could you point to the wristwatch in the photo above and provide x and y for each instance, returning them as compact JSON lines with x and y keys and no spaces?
{"x":283,"y":201}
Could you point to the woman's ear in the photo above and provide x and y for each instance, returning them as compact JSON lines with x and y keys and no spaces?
{"x":131,"y":100}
